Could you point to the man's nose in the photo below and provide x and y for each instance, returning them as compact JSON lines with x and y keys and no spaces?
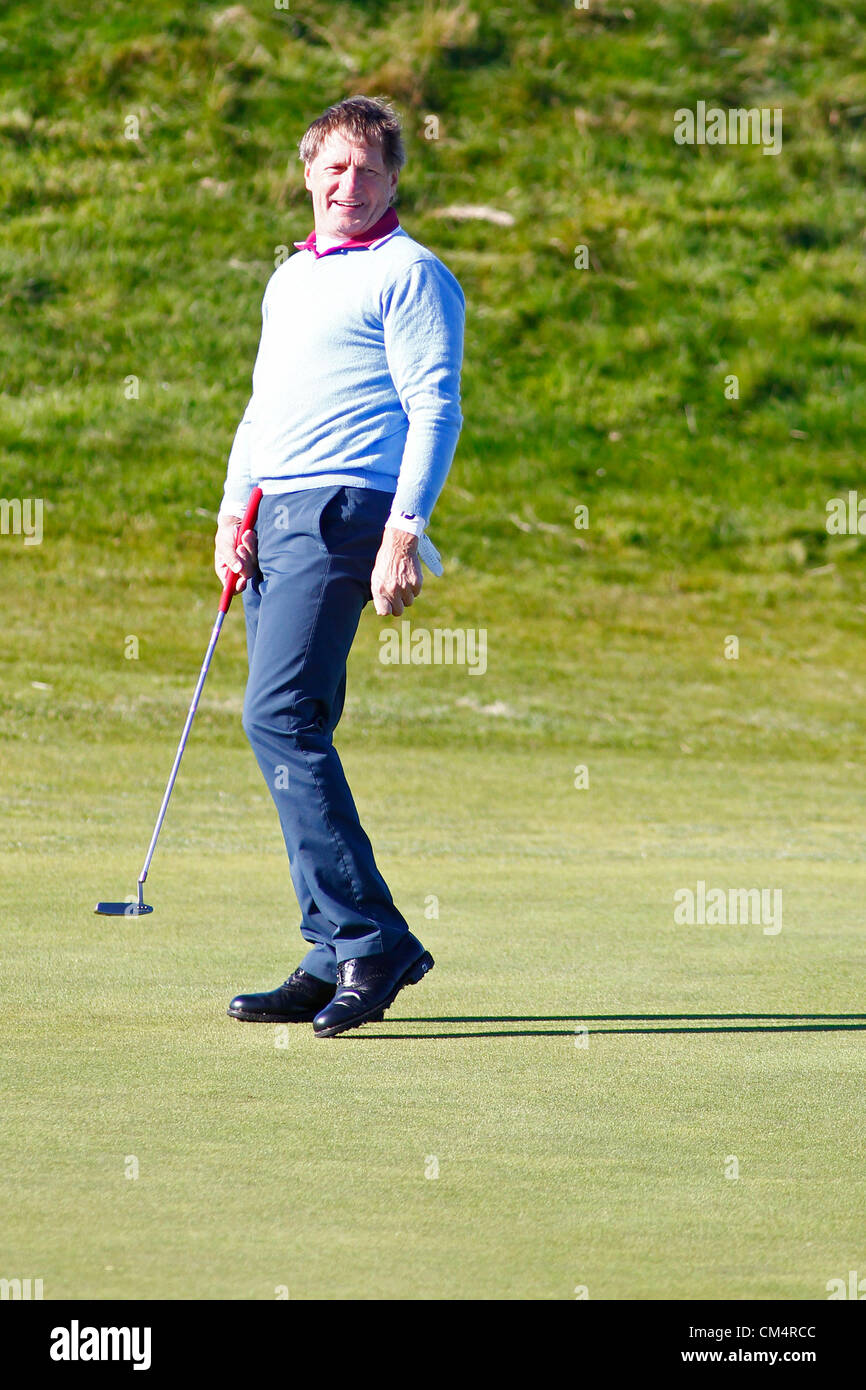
{"x":350,"y":180}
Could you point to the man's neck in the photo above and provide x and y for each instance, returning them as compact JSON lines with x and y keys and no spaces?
{"x":321,"y":244}
{"x":324,"y":240}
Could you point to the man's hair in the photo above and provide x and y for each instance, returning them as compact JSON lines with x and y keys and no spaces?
{"x":369,"y":119}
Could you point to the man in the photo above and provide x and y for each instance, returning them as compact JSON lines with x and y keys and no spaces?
{"x":350,"y":433}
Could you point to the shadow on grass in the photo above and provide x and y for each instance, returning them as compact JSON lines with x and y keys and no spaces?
{"x":657,"y":1023}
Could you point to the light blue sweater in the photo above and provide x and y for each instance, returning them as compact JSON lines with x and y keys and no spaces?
{"x":357,"y":378}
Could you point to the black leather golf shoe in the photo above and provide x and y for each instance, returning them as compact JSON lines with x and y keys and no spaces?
{"x":368,"y":985}
{"x":296,"y":1001}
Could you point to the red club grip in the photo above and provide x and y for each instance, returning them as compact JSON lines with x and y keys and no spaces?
{"x":248,"y":522}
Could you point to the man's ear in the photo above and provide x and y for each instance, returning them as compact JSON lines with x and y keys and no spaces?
{"x":307,"y":183}
{"x":394,"y":179}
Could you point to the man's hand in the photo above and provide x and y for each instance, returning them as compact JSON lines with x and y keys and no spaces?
{"x":396,"y":578}
{"x":240,"y":558}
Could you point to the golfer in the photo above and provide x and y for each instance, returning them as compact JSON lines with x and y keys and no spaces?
{"x":350,"y":433}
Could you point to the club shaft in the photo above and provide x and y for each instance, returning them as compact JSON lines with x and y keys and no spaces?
{"x":172,"y":777}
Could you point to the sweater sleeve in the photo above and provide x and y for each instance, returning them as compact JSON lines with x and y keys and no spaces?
{"x":239,"y":475}
{"x":423,"y":315}
{"x":238,"y":484}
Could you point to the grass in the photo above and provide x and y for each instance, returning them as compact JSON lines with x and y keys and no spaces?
{"x":147,"y":257}
{"x":559,"y":1165}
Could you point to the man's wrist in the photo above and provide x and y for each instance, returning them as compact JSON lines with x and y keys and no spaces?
{"x":405,"y":540}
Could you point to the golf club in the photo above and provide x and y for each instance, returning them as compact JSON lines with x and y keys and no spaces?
{"x":141,"y":908}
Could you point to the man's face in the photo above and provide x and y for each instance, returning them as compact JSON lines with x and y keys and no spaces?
{"x":350,"y":185}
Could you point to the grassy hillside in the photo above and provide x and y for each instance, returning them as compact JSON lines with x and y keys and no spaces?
{"x":148,"y":256}
{"x":602,"y":387}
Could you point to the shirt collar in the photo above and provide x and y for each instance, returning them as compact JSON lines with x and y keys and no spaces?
{"x":388,"y":222}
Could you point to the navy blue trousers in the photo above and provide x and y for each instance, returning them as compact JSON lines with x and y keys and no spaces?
{"x":316,"y":554}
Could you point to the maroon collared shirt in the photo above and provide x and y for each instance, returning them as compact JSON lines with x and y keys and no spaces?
{"x":388,"y":222}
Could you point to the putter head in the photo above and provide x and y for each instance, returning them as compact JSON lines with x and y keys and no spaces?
{"x":122,"y":909}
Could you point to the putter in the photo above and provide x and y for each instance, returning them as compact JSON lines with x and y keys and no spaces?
{"x":141,"y":908}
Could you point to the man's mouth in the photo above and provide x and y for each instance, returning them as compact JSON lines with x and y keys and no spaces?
{"x":341,"y":204}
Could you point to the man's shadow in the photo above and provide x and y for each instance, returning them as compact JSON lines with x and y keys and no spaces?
{"x":647,"y":1023}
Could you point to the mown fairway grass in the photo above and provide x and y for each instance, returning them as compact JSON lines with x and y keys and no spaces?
{"x":560,"y":1165}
